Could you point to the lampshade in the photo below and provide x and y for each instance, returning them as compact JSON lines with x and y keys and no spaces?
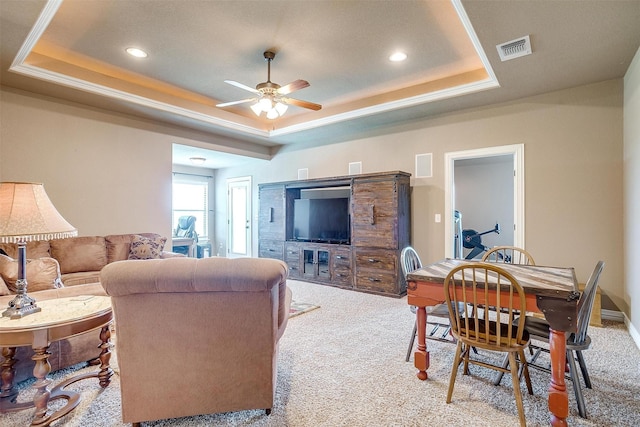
{"x":257,"y":108}
{"x":266,"y":103}
{"x":281,"y":108}
{"x":272,"y":114}
{"x":27,"y":214}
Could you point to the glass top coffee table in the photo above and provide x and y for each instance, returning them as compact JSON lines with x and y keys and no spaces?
{"x":59,"y":319}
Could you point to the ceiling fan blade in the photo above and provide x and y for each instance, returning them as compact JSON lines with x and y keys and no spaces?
{"x":241,"y":86}
{"x":293,"y":86}
{"x":242,"y":101}
{"x":303,"y":104}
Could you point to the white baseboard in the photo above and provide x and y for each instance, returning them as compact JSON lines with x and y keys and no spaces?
{"x":616,"y":316}
{"x":632,"y":331}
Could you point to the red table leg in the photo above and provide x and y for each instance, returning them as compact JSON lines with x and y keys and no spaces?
{"x":558,"y":398}
{"x":421,"y":356}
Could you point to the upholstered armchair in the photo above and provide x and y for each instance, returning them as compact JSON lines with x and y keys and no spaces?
{"x":197,"y":336}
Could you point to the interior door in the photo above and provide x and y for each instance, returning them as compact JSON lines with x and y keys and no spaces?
{"x":478,"y":213}
{"x":239,"y":217}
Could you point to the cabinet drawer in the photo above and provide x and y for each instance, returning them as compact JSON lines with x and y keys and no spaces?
{"x":342,"y":258}
{"x":377,"y":270}
{"x":343,"y":276}
{"x":271,"y":249}
{"x":376,"y":259}
{"x":292,"y":258}
{"x":292,"y":252}
{"x":377,"y":281}
{"x":294,"y":269}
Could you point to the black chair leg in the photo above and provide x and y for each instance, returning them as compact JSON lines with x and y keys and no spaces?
{"x":505,"y":365}
{"x":577,"y":387}
{"x":411,"y":341}
{"x":583,"y":368}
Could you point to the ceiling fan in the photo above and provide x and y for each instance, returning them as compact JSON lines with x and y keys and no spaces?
{"x":270,"y":97}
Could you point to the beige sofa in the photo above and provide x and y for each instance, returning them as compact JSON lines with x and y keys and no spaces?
{"x":197,"y":336}
{"x":80,"y":260}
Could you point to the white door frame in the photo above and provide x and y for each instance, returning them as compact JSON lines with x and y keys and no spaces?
{"x":249,"y":226}
{"x":517,"y":150}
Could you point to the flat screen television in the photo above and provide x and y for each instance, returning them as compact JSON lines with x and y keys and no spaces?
{"x":321,"y":220}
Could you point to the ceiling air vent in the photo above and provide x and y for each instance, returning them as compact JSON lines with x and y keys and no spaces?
{"x":514,"y":48}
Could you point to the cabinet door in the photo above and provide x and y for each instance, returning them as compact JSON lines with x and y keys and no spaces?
{"x":271,"y":213}
{"x":315,"y":265}
{"x":322,"y":260}
{"x":374,"y":214}
{"x":308,"y":263}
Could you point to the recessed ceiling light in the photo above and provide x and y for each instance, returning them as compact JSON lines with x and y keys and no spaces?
{"x":138,"y":53}
{"x":398,"y":57}
{"x":197,"y":160}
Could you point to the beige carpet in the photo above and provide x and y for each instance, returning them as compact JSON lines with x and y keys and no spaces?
{"x":343,"y":365}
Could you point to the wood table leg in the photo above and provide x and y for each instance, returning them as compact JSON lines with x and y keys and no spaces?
{"x":42,"y":396}
{"x":8,"y":372}
{"x":421,"y":356}
{"x":558,"y":397}
{"x":105,"y":356}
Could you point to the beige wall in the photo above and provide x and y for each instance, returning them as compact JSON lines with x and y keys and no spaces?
{"x":104,"y":175}
{"x":632,"y":192}
{"x":111,"y":174}
{"x":573,"y":174}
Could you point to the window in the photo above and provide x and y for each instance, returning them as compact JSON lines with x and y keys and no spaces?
{"x":191,"y":197}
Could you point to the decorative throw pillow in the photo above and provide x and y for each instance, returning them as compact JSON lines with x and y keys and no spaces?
{"x":3,"y":288}
{"x":146,"y":248}
{"x":42,"y":273}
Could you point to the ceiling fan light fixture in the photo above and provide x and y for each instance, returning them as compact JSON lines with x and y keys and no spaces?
{"x":281,"y":108}
{"x":257,"y":108}
{"x":272,"y":114}
{"x":269,"y":97}
{"x":266,"y":104}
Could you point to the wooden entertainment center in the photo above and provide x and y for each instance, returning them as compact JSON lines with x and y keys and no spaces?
{"x":379,"y":223}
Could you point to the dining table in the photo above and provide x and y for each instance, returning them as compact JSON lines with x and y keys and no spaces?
{"x":552,"y":291}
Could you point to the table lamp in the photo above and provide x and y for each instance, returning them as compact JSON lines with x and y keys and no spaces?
{"x":26,"y":215}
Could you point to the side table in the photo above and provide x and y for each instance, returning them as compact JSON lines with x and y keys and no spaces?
{"x":60,"y":318}
{"x":188,"y":242}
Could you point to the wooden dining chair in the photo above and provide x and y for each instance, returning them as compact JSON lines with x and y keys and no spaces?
{"x":476,"y":284}
{"x":509,"y":255}
{"x":439,"y":331}
{"x":576,"y":342}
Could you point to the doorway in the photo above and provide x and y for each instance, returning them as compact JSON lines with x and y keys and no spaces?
{"x":484,"y":191}
{"x":239,"y":217}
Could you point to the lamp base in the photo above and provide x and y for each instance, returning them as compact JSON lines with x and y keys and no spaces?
{"x":22,"y":305}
